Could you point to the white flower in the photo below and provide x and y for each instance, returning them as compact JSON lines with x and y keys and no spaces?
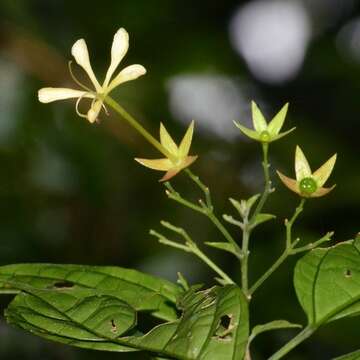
{"x":80,"y":52}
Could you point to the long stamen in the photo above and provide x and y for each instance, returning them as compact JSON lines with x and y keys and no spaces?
{"x":76,"y":80}
{"x":77,"y":105}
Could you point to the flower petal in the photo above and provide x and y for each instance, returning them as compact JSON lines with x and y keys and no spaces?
{"x":188,"y":161}
{"x":167,"y":141}
{"x":119,"y":49}
{"x":81,"y":54}
{"x":324,"y":171}
{"x":171,"y":173}
{"x":277,"y":122}
{"x":279,"y":136}
{"x":258,"y":118}
{"x":94,"y":111}
{"x":156,"y":164}
{"x":131,"y":72}
{"x":289,"y":183}
{"x":322,"y":191}
{"x":248,"y":132}
{"x":302,"y":167}
{"x":50,"y":94}
{"x":185,"y":144}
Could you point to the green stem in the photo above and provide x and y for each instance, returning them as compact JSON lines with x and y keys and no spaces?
{"x":267,"y":188}
{"x":298,"y":339}
{"x":137,"y":126}
{"x":244,"y":262}
{"x":288,"y":248}
{"x":208,"y":210}
{"x":290,"y":223}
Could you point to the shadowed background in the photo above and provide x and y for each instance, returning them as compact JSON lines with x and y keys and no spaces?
{"x":70,"y":192}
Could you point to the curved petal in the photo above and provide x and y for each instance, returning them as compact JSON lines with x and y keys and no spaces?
{"x":302,"y":167}
{"x":167,"y":141}
{"x":277,"y":122}
{"x":322,"y":191}
{"x":119,"y":49}
{"x":252,"y":134}
{"x":81,"y":54}
{"x":49,"y":94}
{"x":131,"y":72}
{"x":185,"y":144}
{"x":289,"y":183}
{"x":188,"y":161}
{"x":94,"y":111}
{"x":156,"y":164}
{"x":171,"y":173}
{"x":324,"y":171}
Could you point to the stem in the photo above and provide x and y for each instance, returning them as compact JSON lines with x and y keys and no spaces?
{"x":244,"y":262}
{"x":267,"y":188}
{"x":190,"y":246}
{"x":137,"y":126}
{"x":290,"y":223}
{"x":289,"y":249}
{"x":298,"y":339}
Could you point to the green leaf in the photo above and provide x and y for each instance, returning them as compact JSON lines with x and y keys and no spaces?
{"x":252,"y":200}
{"x":213,"y":324}
{"x":223,"y":246}
{"x":139,"y":290}
{"x":351,"y":356}
{"x":327,"y":282}
{"x":273,"y":325}
{"x":261,"y":218}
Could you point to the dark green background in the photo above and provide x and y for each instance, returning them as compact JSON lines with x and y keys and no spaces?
{"x":70,"y":192}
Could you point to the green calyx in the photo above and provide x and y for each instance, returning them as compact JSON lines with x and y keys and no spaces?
{"x":308,"y":186}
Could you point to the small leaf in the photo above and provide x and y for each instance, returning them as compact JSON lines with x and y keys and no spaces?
{"x":324,"y":171}
{"x":261,"y":218}
{"x":351,"y":356}
{"x":223,"y":246}
{"x":273,"y":325}
{"x":252,"y":200}
{"x":327,"y":282}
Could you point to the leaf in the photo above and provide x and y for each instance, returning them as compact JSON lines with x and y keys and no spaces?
{"x":351,"y":356}
{"x":139,"y":290}
{"x":252,"y":200}
{"x":327,"y":282}
{"x":213,"y":325}
{"x":261,"y":218}
{"x":223,"y":246}
{"x":273,"y":325}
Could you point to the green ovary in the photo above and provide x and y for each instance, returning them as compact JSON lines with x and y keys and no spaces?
{"x":265,"y":136}
{"x":308,"y":186}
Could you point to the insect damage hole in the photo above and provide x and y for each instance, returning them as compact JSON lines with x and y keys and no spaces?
{"x":113,"y":326}
{"x":224,"y":328}
{"x":347,"y":273}
{"x":63,"y":285}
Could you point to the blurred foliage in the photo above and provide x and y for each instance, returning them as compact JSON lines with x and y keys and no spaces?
{"x":72,"y":193}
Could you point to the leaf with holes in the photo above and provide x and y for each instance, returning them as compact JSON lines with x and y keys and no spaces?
{"x":327,"y":282}
{"x":213,"y":325}
{"x":139,"y":290}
